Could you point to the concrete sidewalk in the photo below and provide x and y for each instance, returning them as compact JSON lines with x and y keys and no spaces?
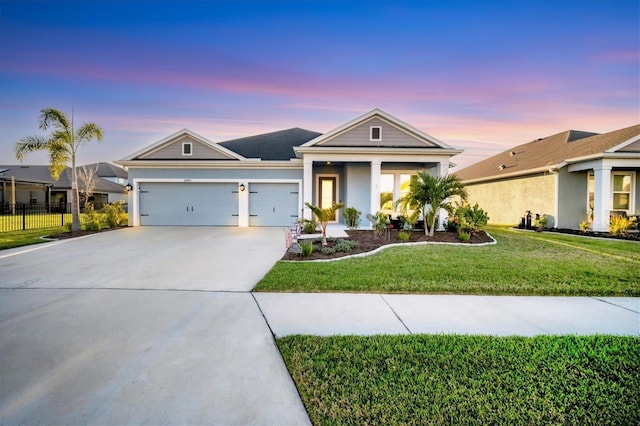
{"x":367,"y":314}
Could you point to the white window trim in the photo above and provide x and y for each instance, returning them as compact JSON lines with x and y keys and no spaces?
{"x":632,"y":191}
{"x":396,"y":181}
{"x":337,"y":192}
{"x":190,"y":144}
{"x":371,"y":139}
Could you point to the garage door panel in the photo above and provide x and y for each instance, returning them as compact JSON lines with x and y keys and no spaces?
{"x":273,"y":204}
{"x":168,"y":203}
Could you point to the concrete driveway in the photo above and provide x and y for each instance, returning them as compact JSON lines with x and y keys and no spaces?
{"x":142,"y":326}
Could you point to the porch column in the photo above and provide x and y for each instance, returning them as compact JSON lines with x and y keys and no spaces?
{"x":376,"y":166}
{"x":307,"y":190}
{"x":443,"y":170}
{"x":601,"y":198}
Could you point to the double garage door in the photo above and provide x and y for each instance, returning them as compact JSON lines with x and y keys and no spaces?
{"x":216,"y":204}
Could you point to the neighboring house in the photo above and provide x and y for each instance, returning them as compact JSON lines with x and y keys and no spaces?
{"x":571,"y":177}
{"x":111,"y":172}
{"x":34,"y":185}
{"x":265,"y":180}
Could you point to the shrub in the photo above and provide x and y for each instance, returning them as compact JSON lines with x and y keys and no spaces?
{"x":327,"y":250}
{"x":309,"y":226}
{"x":474,"y":217}
{"x":541,"y":222}
{"x":404,"y":236}
{"x":307,"y":248}
{"x":351,"y":217}
{"x":92,"y":220}
{"x":345,"y":246}
{"x":620,"y":225}
{"x":115,"y":214}
{"x":464,"y":236}
{"x":584,"y":226}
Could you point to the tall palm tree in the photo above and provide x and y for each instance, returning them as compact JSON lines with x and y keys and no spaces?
{"x":324,"y":216}
{"x":427,"y":194}
{"x":62,"y":144}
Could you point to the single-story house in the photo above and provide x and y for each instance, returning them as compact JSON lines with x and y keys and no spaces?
{"x":33,"y":184}
{"x":265,"y":180}
{"x":571,"y":177}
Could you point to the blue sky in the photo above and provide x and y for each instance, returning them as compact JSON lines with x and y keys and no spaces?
{"x":482,"y":76}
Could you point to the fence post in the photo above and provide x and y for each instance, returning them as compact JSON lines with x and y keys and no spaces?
{"x":24,"y":216}
{"x":61,"y":215}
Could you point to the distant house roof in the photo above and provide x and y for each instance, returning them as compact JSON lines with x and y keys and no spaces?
{"x":41,"y":174}
{"x":549,"y":152}
{"x":109,"y":170}
{"x":271,"y":146}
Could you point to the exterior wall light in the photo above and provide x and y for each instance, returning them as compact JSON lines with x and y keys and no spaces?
{"x":242,"y":187}
{"x":129,"y":187}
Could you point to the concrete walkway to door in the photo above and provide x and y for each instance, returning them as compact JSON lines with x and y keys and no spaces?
{"x":142,"y":326}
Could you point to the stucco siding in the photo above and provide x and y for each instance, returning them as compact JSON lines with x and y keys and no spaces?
{"x":506,"y":201}
{"x":391,"y":137}
{"x":572,"y":199}
{"x":173,"y":151}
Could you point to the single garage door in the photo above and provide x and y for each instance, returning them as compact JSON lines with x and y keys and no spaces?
{"x":196,"y":204}
{"x":273,"y":204}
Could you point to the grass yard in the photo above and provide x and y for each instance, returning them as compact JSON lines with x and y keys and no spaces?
{"x":24,"y":238}
{"x":522,"y":263}
{"x":446,"y":379}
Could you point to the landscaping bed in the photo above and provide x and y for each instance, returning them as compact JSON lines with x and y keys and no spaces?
{"x":368,"y":241}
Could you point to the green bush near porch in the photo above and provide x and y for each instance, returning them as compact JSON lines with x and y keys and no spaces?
{"x":522,"y":263}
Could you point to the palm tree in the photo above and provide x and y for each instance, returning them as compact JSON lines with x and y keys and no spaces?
{"x":427,"y":194}
{"x":62,"y":144}
{"x":324,"y":216}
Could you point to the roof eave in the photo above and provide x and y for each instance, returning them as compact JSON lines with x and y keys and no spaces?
{"x":549,"y":168}
{"x":211,"y":164}
{"x":374,"y":150}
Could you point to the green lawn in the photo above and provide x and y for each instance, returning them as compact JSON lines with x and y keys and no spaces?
{"x":25,"y":238}
{"x":522,"y":263}
{"x":444,"y":379}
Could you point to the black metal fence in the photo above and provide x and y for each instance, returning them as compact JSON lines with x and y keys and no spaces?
{"x":23,"y":216}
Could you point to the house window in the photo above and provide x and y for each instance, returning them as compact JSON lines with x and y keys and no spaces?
{"x":376,"y":133}
{"x":621,"y":189}
{"x":393,"y":186}
{"x":187,"y":149}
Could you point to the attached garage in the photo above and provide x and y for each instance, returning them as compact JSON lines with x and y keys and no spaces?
{"x":188,"y":203}
{"x":273,"y":204}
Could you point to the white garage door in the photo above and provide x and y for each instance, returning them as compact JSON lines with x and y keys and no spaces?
{"x":273,"y":204}
{"x":204,"y":204}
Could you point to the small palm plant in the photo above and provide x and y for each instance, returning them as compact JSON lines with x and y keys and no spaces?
{"x":324,"y":216}
{"x":427,"y":194}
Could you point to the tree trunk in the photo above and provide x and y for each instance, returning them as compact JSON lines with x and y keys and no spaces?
{"x":75,"y":200}
{"x":324,"y":234}
{"x":433,"y":225}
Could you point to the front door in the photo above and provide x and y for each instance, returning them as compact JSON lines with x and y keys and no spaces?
{"x":327,"y":192}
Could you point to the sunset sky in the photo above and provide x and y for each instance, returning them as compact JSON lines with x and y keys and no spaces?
{"x":480,"y":75}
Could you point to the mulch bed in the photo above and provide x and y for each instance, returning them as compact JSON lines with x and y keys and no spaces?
{"x":367,"y":241}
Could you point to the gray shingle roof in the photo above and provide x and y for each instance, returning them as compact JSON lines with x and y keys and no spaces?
{"x":271,"y":146}
{"x":41,"y":174}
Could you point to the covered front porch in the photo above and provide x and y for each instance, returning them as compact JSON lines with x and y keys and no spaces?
{"x":369,"y":183}
{"x":611,"y":189}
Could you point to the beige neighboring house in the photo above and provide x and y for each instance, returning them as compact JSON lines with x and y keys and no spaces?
{"x":571,"y":176}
